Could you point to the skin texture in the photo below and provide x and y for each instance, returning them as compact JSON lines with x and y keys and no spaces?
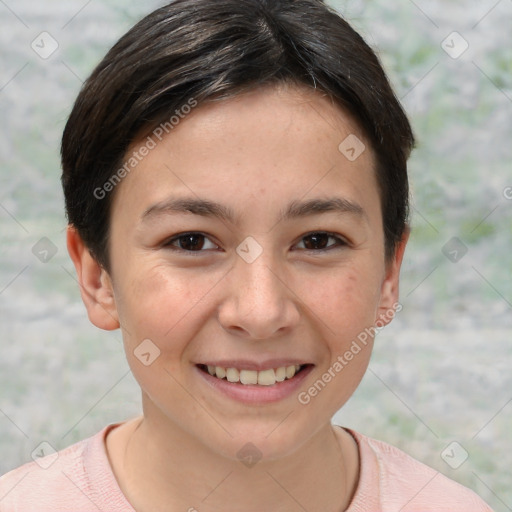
{"x":255,"y":154}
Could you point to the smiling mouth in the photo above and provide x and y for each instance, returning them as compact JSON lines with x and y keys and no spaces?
{"x":252,"y":377}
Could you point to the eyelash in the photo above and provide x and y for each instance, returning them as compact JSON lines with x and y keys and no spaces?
{"x":339,"y":244}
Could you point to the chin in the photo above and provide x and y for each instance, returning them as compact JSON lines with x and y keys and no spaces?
{"x":263,"y":440}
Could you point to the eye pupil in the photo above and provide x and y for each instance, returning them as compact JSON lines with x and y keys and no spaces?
{"x":196,"y":242}
{"x":319,"y":239}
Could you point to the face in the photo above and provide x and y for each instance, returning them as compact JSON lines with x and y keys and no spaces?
{"x":247,"y":240}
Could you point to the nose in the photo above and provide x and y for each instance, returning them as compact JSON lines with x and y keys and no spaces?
{"x":260,"y":302}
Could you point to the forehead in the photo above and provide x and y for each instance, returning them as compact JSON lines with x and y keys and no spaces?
{"x":274,"y":141}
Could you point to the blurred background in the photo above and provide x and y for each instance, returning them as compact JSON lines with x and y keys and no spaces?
{"x":440,"y":383}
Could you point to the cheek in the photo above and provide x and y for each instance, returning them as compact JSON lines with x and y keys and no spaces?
{"x":159,"y":303}
{"x":168,"y":309}
{"x":344,"y":305}
{"x":345,"y":300}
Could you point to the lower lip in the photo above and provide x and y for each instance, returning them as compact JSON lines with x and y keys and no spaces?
{"x":254,"y":393}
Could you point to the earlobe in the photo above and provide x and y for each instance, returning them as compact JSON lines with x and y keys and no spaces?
{"x":389,"y":291}
{"x":95,"y":284}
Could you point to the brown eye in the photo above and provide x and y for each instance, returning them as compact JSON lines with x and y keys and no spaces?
{"x":320,"y":241}
{"x":190,"y":242}
{"x":316,"y":241}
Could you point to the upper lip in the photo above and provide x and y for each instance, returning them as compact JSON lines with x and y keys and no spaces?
{"x":245,"y":364}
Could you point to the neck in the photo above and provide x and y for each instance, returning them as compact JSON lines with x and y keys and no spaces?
{"x":159,"y":466}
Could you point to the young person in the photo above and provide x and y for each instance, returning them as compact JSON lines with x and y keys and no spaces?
{"x":236,"y":186}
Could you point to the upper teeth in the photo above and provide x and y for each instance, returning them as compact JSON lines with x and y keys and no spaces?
{"x":263,"y":378}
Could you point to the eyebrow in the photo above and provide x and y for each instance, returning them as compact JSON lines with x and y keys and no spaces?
{"x":295,"y":209}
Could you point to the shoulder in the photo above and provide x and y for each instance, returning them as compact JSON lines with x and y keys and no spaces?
{"x":405,"y":484}
{"x":74,"y":478}
{"x":36,"y":484}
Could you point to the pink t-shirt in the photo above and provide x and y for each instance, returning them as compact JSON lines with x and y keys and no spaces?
{"x":81,"y":480}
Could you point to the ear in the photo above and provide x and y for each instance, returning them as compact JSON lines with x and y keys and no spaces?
{"x":95,"y":284}
{"x":389,"y":289}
